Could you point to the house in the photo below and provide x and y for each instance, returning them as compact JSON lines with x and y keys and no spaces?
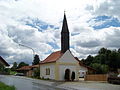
{"x":3,"y":62}
{"x":57,"y":64}
{"x":61,"y":65}
{"x":28,"y":70}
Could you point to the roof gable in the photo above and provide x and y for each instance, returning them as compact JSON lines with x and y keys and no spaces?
{"x":68,"y":57}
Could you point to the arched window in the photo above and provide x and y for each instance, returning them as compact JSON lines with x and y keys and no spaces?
{"x":47,"y":71}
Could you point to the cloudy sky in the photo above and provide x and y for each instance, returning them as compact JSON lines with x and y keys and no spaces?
{"x":37,"y":24}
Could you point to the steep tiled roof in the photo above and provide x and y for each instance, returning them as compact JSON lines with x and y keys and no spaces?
{"x":52,"y":57}
{"x":2,"y":60}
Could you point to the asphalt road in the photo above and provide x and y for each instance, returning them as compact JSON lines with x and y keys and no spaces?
{"x":22,"y":83}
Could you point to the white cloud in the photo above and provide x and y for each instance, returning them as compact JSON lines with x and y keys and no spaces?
{"x":84,"y":39}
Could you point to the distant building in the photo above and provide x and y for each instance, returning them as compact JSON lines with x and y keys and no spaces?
{"x":62,"y":62}
{"x":28,"y":70}
{"x":2,"y":61}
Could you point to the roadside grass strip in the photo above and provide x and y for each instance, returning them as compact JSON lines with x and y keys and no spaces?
{"x":6,"y":87}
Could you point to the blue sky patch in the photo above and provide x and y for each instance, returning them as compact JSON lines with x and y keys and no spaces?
{"x":40,"y":25}
{"x":106,"y":22}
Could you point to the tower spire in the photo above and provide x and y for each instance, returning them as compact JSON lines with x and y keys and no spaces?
{"x":64,"y":35}
{"x":65,"y":26}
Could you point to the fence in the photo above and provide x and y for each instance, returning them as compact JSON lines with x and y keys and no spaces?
{"x":96,"y":77}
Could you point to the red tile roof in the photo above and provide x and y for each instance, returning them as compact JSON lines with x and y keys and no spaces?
{"x":28,"y":67}
{"x":25,"y":68}
{"x":52,"y":57}
{"x":2,"y":60}
{"x":35,"y":66}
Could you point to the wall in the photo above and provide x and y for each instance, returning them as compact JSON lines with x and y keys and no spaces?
{"x":62,"y":69}
{"x":29,"y":73}
{"x":43,"y":70}
{"x":83,"y":68}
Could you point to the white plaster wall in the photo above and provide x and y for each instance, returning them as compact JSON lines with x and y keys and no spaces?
{"x":43,"y":71}
{"x":68,"y":57}
{"x":62,"y":69}
{"x":83,"y":68}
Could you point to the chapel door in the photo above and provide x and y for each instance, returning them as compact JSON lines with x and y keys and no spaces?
{"x":67,"y":75}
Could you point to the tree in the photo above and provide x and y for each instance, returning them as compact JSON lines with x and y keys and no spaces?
{"x":89,"y":60}
{"x":2,"y":67}
{"x":119,"y":50}
{"x":37,"y":72}
{"x":102,"y":51}
{"x":36,"y":60}
{"x":14,"y":67}
{"x":100,"y":68}
{"x":21,"y":64}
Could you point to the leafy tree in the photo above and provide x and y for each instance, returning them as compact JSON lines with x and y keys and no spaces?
{"x":119,"y":50}
{"x":21,"y":64}
{"x":36,"y":60}
{"x":14,"y":67}
{"x":37,"y":73}
{"x":89,"y":60}
{"x":100,"y":68}
{"x":4,"y":70}
{"x":102,"y":51}
{"x":2,"y":67}
{"x":7,"y":70}
{"x":106,"y":60}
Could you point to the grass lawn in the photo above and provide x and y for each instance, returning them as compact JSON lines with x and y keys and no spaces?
{"x":6,"y":87}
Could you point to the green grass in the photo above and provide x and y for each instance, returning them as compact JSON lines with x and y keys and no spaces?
{"x":12,"y":72}
{"x":6,"y":87}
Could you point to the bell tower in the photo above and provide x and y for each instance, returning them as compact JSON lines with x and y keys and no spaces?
{"x":64,"y":36}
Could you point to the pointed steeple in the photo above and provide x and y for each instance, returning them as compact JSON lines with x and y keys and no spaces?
{"x":65,"y":26}
{"x":64,"y":36}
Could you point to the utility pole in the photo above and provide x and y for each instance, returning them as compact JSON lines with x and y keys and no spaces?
{"x":29,"y":48}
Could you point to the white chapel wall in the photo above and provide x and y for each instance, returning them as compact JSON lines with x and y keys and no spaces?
{"x":43,"y":71}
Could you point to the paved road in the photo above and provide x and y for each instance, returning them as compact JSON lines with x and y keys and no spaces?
{"x":22,"y":83}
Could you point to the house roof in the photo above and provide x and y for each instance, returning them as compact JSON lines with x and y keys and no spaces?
{"x":2,"y":60}
{"x":53,"y":57}
{"x":25,"y":68}
{"x":35,"y":66}
{"x":28,"y":67}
